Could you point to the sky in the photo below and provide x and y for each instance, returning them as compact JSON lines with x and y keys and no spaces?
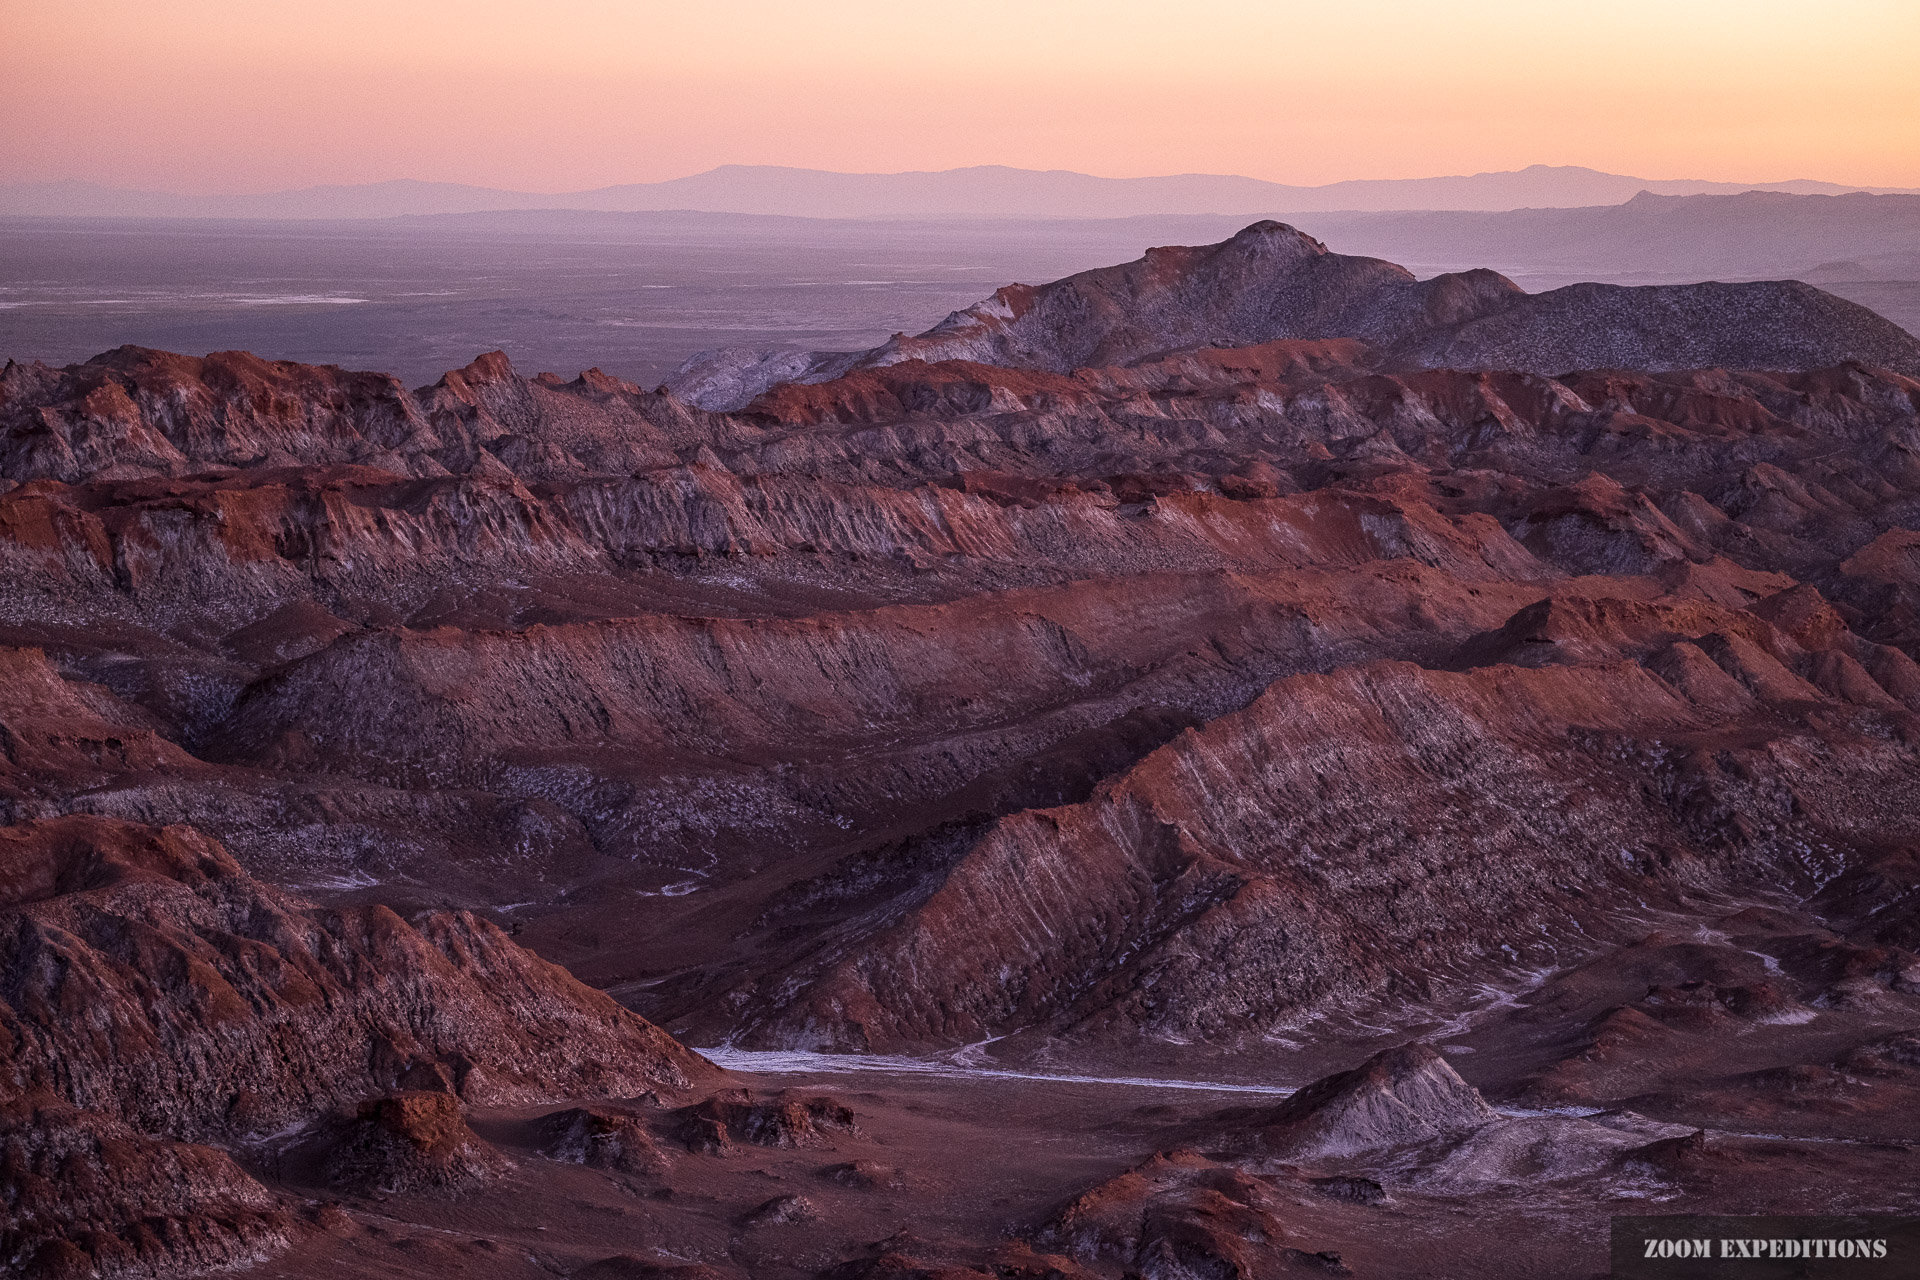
{"x":212,"y":96}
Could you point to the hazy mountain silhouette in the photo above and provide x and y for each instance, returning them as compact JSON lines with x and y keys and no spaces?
{"x":1751,"y":234}
{"x":984,"y":191}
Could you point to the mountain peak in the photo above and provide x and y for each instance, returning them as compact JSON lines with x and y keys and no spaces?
{"x":1268,"y":232}
{"x":1270,"y":282}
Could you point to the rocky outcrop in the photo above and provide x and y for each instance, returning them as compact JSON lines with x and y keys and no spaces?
{"x":220,"y":1007}
{"x":409,"y":1142}
{"x":1398,"y":1097}
{"x":603,"y":1138}
{"x":864,"y":1175}
{"x":781,"y":1211}
{"x":786,"y":1119}
{"x":134,"y":412}
{"x":893,"y":618}
{"x":85,"y":1195}
{"x":155,"y":992}
{"x":1184,"y":1217}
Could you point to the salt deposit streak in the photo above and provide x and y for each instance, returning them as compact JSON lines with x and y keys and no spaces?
{"x":799,"y":1062}
{"x":296,"y":300}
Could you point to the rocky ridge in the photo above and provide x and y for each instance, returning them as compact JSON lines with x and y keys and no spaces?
{"x":1272,"y":282}
{"x":157,"y":993}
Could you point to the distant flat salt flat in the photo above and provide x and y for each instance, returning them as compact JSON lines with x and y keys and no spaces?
{"x":633,"y":296}
{"x":162,"y":298}
{"x":292,"y":300}
{"x":797,"y":1062}
{"x":415,"y":298}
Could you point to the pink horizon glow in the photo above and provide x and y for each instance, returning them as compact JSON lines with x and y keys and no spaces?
{"x":208,"y":96}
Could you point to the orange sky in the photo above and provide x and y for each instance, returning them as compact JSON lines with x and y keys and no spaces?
{"x":220,"y":95}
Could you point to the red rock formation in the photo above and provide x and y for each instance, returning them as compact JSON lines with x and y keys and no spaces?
{"x":788,"y":1120}
{"x":1182,"y":1216}
{"x":604,"y":1138}
{"x":219,"y":1007}
{"x":410,"y":1142}
{"x":89,"y":1196}
{"x":1244,"y":876}
{"x":1212,"y":698}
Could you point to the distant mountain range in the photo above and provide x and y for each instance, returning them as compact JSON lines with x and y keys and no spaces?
{"x":985,"y":191}
{"x":1755,"y":234}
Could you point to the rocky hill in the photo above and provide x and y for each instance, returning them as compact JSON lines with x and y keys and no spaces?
{"x":157,"y":994}
{"x":1271,"y":282}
